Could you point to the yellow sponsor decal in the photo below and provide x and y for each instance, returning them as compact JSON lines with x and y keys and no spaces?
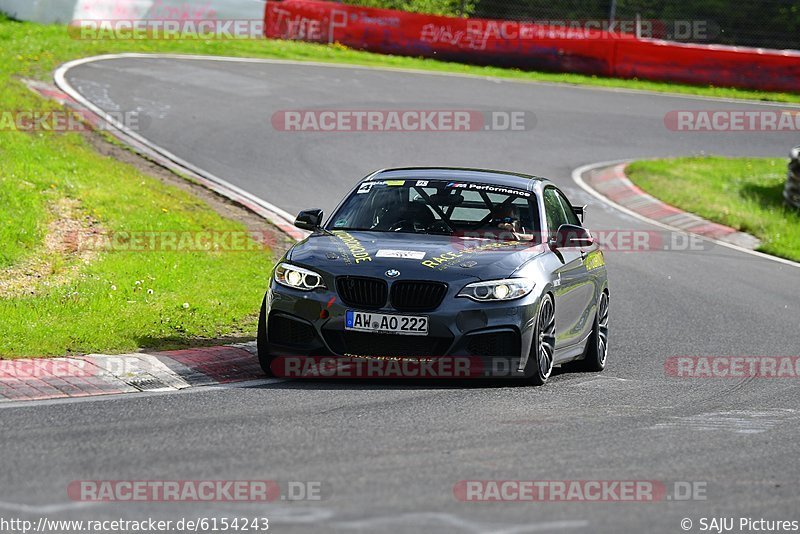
{"x":442,"y":258}
{"x":358,"y":252}
{"x":594,"y":260}
{"x":446,"y":258}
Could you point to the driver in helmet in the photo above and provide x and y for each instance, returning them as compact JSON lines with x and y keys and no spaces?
{"x":506,"y":219}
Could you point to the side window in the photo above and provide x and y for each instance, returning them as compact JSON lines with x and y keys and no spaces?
{"x":565,"y":204}
{"x":554,"y":211}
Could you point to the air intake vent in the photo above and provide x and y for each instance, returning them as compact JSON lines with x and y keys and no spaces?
{"x":286,"y":331}
{"x":362,"y":292}
{"x":417,"y":296}
{"x":494,"y":344}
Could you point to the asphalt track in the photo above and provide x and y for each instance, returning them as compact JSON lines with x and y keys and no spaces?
{"x":389,"y":454}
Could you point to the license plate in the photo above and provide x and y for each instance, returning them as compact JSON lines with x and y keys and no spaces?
{"x":409,"y":325}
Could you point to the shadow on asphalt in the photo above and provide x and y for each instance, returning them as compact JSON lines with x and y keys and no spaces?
{"x":356,"y":384}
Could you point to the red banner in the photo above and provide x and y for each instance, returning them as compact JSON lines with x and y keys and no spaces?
{"x":482,"y":41}
{"x":586,"y":47}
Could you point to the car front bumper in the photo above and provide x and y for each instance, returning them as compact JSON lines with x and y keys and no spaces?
{"x":494,"y":337}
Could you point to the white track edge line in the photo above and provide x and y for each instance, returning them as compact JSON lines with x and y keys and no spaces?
{"x":137,"y":55}
{"x":64,"y":85}
{"x":577,"y":177}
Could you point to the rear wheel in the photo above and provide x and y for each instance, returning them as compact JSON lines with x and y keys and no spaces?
{"x":540,"y":360}
{"x":597,"y":346}
{"x":264,"y":359}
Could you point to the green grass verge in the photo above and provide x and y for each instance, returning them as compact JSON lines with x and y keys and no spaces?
{"x":119,"y":300}
{"x":115,"y":301}
{"x":744,"y":193}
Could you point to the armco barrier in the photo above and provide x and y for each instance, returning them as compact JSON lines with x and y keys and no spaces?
{"x":532,"y":46}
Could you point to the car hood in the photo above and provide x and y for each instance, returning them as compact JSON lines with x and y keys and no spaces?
{"x":415,"y":256}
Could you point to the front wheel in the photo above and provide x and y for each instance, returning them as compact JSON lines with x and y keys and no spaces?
{"x":597,"y":346}
{"x":264,"y":359}
{"x":540,"y":360}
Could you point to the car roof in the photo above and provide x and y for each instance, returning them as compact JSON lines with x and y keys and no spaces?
{"x":484,"y":176}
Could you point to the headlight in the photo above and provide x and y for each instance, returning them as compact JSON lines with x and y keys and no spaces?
{"x":298,"y":278}
{"x":493,"y":290}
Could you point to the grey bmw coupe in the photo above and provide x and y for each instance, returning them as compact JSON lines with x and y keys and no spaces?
{"x":434,"y":263}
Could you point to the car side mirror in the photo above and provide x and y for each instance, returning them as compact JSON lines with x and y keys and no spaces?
{"x":570,"y":235}
{"x":309,"y":219}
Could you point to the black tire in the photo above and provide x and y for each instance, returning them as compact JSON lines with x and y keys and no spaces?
{"x":264,"y":359}
{"x":597,"y":347}
{"x":539,"y":366}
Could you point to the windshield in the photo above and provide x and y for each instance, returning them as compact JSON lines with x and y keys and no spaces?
{"x":440,"y":207}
